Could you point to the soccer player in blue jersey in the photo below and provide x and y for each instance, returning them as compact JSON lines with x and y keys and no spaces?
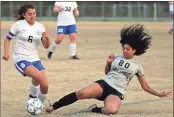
{"x":28,"y":34}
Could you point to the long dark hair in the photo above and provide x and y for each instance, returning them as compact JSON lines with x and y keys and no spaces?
{"x":136,"y":37}
{"x":23,"y":9}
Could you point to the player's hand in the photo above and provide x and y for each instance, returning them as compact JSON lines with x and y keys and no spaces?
{"x":110,"y":58}
{"x":44,"y":35}
{"x":61,"y":9}
{"x":6,"y":57}
{"x":164,"y":94}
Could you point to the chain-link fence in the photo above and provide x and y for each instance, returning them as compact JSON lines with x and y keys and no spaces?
{"x":103,"y":11}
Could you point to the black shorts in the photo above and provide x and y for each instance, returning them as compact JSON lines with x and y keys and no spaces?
{"x":108,"y":90}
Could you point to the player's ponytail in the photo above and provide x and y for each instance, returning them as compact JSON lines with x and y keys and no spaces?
{"x":22,"y":10}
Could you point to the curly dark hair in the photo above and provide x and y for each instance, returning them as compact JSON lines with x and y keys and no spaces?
{"x":23,"y":9}
{"x":135,"y":36}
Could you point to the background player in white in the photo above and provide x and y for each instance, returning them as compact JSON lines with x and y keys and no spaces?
{"x":119,"y":70}
{"x":171,"y":5}
{"x":66,"y":24}
{"x":28,"y":35}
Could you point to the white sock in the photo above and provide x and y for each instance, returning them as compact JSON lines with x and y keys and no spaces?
{"x":53,"y":46}
{"x":171,"y":26}
{"x":33,"y":90}
{"x":41,"y":96}
{"x":72,"y":49}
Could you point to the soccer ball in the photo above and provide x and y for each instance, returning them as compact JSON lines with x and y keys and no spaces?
{"x":34,"y":106}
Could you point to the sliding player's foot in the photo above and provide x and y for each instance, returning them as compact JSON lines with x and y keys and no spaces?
{"x":89,"y":109}
{"x":49,"y":108}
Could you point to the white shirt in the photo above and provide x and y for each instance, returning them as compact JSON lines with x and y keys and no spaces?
{"x":27,"y":40}
{"x":121,"y":72}
{"x":66,"y":17}
{"x":171,"y":5}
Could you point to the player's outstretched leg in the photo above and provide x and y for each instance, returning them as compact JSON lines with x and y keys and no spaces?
{"x":72,"y":46}
{"x":66,"y":100}
{"x":58,"y":40}
{"x":89,"y":92}
{"x":171,"y":28}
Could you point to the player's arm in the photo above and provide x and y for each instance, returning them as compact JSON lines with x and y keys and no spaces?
{"x":45,"y":40}
{"x":57,"y":9}
{"x":12,"y":32}
{"x":6,"y":49}
{"x":148,"y":89}
{"x":8,"y":38}
{"x":107,"y":67}
{"x":108,"y":63}
{"x":76,"y":12}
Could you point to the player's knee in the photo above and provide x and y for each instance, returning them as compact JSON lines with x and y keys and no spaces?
{"x":80,"y":95}
{"x":73,"y":38}
{"x":38,"y":78}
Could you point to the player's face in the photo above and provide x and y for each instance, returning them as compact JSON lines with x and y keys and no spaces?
{"x":30,"y":15}
{"x":128,"y":51}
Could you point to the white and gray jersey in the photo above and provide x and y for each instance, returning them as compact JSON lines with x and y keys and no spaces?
{"x":121,"y":72}
{"x":27,"y":40}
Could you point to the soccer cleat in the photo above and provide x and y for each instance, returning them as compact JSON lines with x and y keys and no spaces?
{"x":75,"y":57}
{"x":49,"y":108}
{"x":50,"y":54}
{"x":89,"y":109}
{"x":30,"y":96}
{"x":171,"y":31}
